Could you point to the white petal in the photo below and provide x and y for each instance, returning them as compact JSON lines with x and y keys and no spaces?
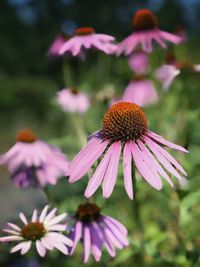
{"x":40,"y":248}
{"x":47,"y":243}
{"x":60,"y":238}
{"x":14,"y":226}
{"x":50,"y":216}
{"x":10,"y":238}
{"x":57,"y":227}
{"x":26,"y":247}
{"x":61,"y":247}
{"x":18,"y":247}
{"x":34,"y":217}
{"x":43,"y":213}
{"x":56,"y":219}
{"x":23,"y":218}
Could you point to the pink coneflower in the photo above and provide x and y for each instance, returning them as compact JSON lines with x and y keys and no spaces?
{"x":140,"y":91}
{"x":146,"y":31}
{"x":60,"y":39}
{"x":86,"y":38}
{"x":125,"y":131}
{"x":43,"y":231}
{"x":139,"y":62}
{"x":167,"y":73}
{"x":33,"y":162}
{"x":71,"y":100}
{"x":95,"y":231}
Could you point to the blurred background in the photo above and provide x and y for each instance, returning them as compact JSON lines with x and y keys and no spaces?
{"x":169,"y":232}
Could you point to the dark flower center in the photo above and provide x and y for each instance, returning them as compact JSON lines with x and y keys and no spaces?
{"x":124,"y":121}
{"x":74,"y":91}
{"x":84,"y":31}
{"x":144,"y":20}
{"x":170,"y":58}
{"x":26,"y":136}
{"x":88,"y":212}
{"x":33,"y":231}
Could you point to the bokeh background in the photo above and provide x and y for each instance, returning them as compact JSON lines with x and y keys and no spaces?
{"x":163,"y":226}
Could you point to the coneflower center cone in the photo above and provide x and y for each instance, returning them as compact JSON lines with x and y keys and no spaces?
{"x":124,"y":121}
{"x":33,"y":231}
{"x":26,"y":136}
{"x":84,"y":31}
{"x":88,"y":212}
{"x":144,"y":20}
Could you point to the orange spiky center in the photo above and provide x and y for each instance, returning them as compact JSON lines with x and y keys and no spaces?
{"x":124,"y":121}
{"x":74,"y":91}
{"x":88,"y":212}
{"x":84,"y":31}
{"x":33,"y":231}
{"x":144,"y":20}
{"x":26,"y":136}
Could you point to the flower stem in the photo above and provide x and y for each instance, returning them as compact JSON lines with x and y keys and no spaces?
{"x":67,"y":75}
{"x":77,"y":124}
{"x":137,"y":219}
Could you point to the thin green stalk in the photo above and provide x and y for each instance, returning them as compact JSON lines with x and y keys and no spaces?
{"x":77,"y":124}
{"x":137,"y":218}
{"x":67,"y":74}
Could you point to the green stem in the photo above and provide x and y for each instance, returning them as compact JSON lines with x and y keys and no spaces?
{"x":67,"y":75}
{"x":137,"y":218}
{"x":77,"y":124}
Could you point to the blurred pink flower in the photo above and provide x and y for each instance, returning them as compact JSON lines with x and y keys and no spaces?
{"x":95,"y":231}
{"x":167,"y":73}
{"x":71,"y":100}
{"x":86,"y":38}
{"x":139,"y":62}
{"x":43,"y":231}
{"x":33,"y":162}
{"x":141,"y":92}
{"x":60,"y":39}
{"x":125,"y":130}
{"x":146,"y":31}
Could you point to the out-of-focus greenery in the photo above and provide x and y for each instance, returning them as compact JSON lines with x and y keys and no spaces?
{"x":163,"y":226}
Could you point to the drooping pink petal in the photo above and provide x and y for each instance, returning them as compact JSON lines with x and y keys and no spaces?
{"x":154,"y":163}
{"x":111,"y":173}
{"x":127,"y":167}
{"x":143,"y":169}
{"x":78,"y":235}
{"x":161,"y":158}
{"x":85,"y":159}
{"x":109,"y":246}
{"x":86,"y":243}
{"x":171,"y":159}
{"x":96,"y":243}
{"x":99,"y":174}
{"x":175,"y":39}
{"x":116,"y":231}
{"x":120,"y":226}
{"x":164,"y":142}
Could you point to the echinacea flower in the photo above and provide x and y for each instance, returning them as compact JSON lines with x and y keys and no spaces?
{"x":60,"y":39}
{"x":95,"y":231}
{"x":146,"y":30}
{"x":139,"y":62}
{"x":86,"y":38}
{"x":167,"y":72}
{"x":71,"y":100}
{"x":140,"y":91}
{"x":33,"y":162}
{"x":125,"y":131}
{"x":43,"y":231}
